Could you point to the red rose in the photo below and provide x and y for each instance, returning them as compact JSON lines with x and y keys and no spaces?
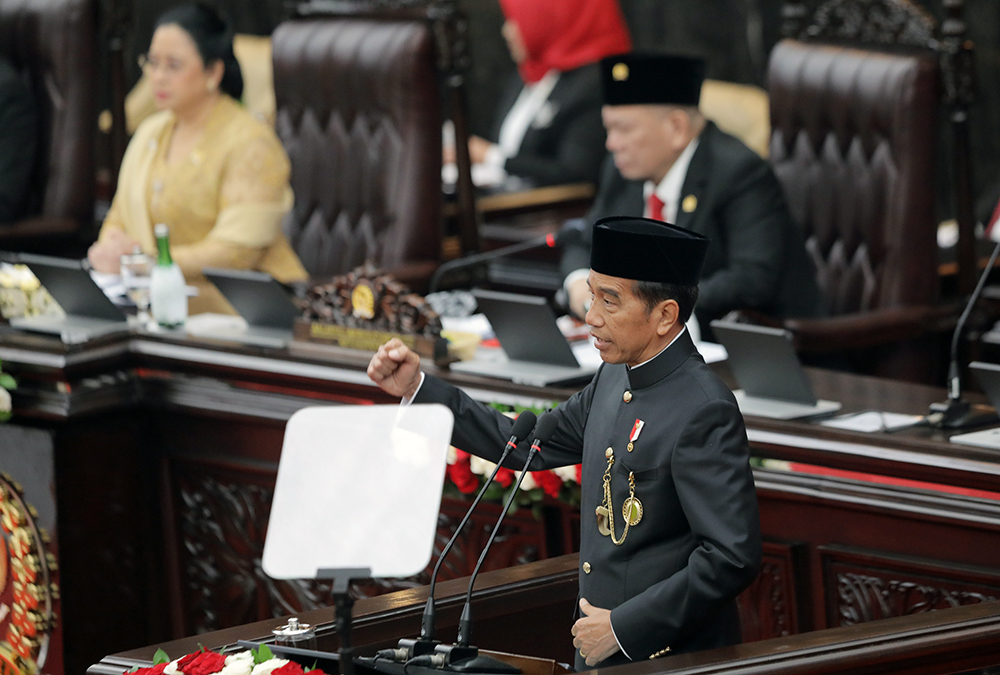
{"x":548,"y":481}
{"x":579,"y":474}
{"x":504,"y":476}
{"x":153,"y":670}
{"x":460,"y":473}
{"x":201,"y":663}
{"x":185,"y":661}
{"x":290,"y":668}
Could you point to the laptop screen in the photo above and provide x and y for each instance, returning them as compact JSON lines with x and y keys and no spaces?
{"x":764,"y":362}
{"x":70,"y":283}
{"x":526,"y":327}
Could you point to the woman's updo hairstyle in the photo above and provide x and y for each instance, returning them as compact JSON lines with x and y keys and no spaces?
{"x":213,"y":37}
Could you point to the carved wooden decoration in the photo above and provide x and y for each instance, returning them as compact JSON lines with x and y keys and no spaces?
{"x":221,"y":522}
{"x":769,"y":608}
{"x":873,"y":22}
{"x":864,"y":586}
{"x":363,"y":309}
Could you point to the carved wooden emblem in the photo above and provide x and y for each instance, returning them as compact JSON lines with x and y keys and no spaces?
{"x":364,"y":309}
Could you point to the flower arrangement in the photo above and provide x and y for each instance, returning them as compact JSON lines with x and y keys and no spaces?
{"x":22,"y":295}
{"x":259,"y":661}
{"x":466,"y":475}
{"x":6,"y":384}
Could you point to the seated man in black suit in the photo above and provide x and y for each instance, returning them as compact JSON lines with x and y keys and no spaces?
{"x":17,"y":141}
{"x":668,"y":162}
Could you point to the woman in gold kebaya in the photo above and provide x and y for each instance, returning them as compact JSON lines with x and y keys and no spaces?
{"x":202,"y":165}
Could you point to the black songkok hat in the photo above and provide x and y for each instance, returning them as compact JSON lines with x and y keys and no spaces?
{"x":647,"y":250}
{"x":657,"y":79}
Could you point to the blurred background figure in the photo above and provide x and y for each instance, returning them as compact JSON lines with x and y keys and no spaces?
{"x":18,"y":138}
{"x":202,"y":165}
{"x":549,"y":129}
{"x":668,"y":162}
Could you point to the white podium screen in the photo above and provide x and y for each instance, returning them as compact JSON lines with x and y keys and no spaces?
{"x":358,"y":487}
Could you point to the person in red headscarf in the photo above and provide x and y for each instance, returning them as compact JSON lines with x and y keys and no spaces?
{"x":549,"y":130}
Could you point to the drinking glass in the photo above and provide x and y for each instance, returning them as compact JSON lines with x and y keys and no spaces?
{"x":136,"y":269}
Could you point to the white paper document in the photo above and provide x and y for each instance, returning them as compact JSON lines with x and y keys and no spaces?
{"x":872,"y":421}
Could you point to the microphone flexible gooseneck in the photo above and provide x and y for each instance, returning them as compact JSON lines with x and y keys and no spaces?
{"x":543,"y":432}
{"x":523,"y":425}
{"x":570,"y":231}
{"x":957,"y":413}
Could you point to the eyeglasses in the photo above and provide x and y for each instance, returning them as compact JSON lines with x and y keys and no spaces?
{"x":149,"y":65}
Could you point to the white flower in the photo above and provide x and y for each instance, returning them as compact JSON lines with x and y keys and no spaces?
{"x":4,"y":400}
{"x":268,"y":666}
{"x":529,"y":482}
{"x":171,"y":668}
{"x":452,"y":454}
{"x":567,"y":473}
{"x":480,"y":466}
{"x":240,"y":663}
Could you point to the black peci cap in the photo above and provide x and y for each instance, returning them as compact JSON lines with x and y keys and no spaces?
{"x":652,"y":79}
{"x":647,"y":250}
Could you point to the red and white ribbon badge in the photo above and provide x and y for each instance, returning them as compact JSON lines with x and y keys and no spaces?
{"x":636,"y":429}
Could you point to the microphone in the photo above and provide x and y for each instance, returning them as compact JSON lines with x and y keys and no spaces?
{"x":407,"y":649}
{"x":957,"y":413}
{"x":460,"y":657}
{"x":570,"y":231}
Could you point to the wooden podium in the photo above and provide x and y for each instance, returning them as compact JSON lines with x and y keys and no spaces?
{"x":528,"y":610}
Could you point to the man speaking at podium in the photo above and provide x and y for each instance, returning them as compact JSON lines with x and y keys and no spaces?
{"x":670,"y":532}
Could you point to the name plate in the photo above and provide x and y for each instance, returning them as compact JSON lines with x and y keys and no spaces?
{"x":368,"y":340}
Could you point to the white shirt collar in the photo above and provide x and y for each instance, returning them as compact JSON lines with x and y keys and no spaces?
{"x":669,"y":189}
{"x":526,"y":108}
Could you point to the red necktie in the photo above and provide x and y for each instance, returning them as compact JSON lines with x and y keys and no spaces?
{"x":990,"y":226}
{"x":655,"y":207}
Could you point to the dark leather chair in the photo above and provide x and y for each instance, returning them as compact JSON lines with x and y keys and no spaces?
{"x":359,"y":112}
{"x":854,"y":135}
{"x":55,"y":41}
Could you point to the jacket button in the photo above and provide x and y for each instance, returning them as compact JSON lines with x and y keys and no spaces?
{"x":627,"y":397}
{"x":586,"y":568}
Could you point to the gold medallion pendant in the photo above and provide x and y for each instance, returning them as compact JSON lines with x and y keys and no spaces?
{"x":632,"y":510}
{"x":602,"y":521}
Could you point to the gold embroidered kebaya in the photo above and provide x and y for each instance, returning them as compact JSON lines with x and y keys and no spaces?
{"x":223,"y":202}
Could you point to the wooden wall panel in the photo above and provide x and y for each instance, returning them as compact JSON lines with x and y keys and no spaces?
{"x":865,"y":586}
{"x":770,"y":607}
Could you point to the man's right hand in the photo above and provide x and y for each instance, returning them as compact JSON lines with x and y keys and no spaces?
{"x":396,"y":369}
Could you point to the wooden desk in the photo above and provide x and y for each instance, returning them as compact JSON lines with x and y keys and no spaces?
{"x":165,"y":450}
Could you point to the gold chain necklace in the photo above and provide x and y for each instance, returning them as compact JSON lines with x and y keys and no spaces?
{"x":631,"y":509}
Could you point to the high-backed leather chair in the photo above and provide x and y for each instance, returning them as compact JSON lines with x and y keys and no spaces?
{"x":854,"y":134}
{"x":55,"y":42}
{"x":359,"y":112}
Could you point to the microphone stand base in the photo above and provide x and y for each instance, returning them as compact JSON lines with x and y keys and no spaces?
{"x":480,"y":664}
{"x":959,"y":414}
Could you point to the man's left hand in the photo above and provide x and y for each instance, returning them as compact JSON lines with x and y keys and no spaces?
{"x":592,"y":634}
